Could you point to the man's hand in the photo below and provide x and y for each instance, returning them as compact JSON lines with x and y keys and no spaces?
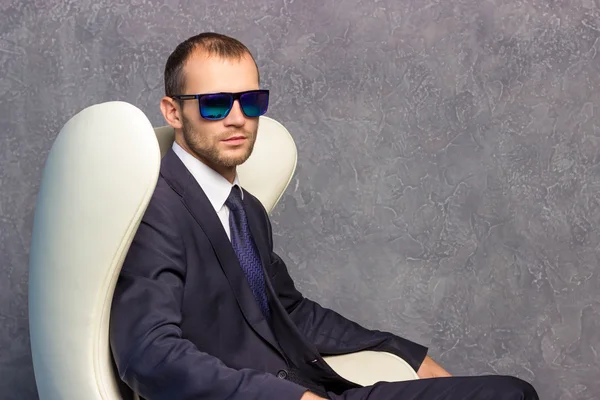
{"x":430,"y":369}
{"x":311,"y":396}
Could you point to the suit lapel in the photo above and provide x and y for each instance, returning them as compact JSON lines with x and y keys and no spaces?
{"x":201,"y":209}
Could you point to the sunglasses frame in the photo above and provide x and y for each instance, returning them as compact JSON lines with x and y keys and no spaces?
{"x":234,"y":96}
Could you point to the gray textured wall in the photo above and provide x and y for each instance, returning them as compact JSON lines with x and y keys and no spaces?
{"x":449,"y":170}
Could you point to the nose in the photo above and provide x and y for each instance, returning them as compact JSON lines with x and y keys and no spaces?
{"x":236,"y":116}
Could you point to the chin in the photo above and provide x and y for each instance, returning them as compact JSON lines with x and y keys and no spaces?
{"x":232,"y":161}
{"x":235,"y":158}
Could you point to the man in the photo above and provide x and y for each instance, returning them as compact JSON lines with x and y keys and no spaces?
{"x":204,"y":309}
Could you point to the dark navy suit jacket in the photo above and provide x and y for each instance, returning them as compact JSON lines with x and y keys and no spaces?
{"x":184,"y":322}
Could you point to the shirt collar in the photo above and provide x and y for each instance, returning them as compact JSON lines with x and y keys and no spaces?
{"x":215,"y":186}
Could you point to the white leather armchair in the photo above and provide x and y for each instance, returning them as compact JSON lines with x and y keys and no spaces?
{"x":96,"y":185}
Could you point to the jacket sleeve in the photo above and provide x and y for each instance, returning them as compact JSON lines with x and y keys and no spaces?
{"x":330,"y":332}
{"x":151,"y":354}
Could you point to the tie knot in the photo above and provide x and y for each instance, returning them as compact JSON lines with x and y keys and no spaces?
{"x":234,"y":201}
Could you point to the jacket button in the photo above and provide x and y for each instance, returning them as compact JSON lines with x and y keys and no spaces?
{"x":282,"y":374}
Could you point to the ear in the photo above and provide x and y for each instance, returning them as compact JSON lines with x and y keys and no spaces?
{"x":172,"y":112}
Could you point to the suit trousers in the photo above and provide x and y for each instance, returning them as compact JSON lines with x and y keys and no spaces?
{"x":488,"y":387}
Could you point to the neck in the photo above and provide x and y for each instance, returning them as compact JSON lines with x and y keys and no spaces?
{"x":226,"y":172}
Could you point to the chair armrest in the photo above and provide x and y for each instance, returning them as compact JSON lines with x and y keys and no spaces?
{"x":366,"y":368}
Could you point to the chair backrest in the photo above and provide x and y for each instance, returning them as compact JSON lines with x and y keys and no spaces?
{"x":96,"y":185}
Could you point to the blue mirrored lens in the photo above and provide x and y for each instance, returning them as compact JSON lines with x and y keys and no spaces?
{"x":215,"y":106}
{"x":254,"y":104}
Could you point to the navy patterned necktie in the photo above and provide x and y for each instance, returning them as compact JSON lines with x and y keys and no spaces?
{"x":245,"y":249}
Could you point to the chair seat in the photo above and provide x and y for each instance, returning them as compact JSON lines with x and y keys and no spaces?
{"x":366,"y":368}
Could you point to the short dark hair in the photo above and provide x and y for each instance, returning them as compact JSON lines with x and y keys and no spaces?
{"x":214,"y":44}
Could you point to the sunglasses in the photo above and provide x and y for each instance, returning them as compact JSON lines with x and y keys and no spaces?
{"x":216,"y":106}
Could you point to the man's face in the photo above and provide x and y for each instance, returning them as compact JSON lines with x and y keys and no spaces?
{"x":226,"y":143}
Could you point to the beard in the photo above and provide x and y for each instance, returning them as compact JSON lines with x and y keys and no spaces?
{"x":206,"y":148}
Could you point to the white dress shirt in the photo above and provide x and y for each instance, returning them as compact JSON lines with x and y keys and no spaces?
{"x":215,"y":187}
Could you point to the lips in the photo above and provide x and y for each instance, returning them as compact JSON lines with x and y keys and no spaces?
{"x":234,"y":138}
{"x":235,"y":141}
